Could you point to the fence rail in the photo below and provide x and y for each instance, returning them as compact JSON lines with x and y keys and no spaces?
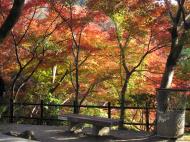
{"x":109,"y":108}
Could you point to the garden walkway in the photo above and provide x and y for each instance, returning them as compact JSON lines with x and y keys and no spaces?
{"x":59,"y":134}
{"x":5,"y":138}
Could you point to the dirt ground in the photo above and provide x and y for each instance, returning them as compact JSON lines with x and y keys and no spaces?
{"x":45,"y":133}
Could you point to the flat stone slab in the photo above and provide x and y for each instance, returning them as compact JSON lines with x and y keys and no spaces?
{"x":90,"y":119}
{"x":6,"y":138}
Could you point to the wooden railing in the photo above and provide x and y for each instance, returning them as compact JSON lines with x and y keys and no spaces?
{"x":41,"y":118}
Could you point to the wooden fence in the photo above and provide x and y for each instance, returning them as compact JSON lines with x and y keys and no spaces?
{"x":109,"y":108}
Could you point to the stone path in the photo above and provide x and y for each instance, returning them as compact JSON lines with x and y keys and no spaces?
{"x":45,"y":133}
{"x":6,"y":138}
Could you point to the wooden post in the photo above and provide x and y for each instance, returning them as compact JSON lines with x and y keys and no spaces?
{"x":155,"y":124}
{"x":74,"y":107}
{"x":41,"y":111}
{"x":147,"y":117}
{"x":11,"y":110}
{"x":109,"y":110}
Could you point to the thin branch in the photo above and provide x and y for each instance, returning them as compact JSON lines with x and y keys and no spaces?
{"x":168,"y":6}
{"x":65,"y":74}
{"x":20,"y":40}
{"x":152,"y":72}
{"x":93,"y":85}
{"x":31,"y":59}
{"x":151,"y":79}
{"x":26,"y":80}
{"x":122,"y":50}
{"x":29,"y":24}
{"x":59,"y":82}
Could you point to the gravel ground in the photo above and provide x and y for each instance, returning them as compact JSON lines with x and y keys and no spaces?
{"x":45,"y":133}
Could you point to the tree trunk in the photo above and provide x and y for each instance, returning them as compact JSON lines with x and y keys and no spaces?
{"x":167,"y":78}
{"x":122,"y":101}
{"x":176,"y":49}
{"x":2,"y":87}
{"x":77,"y":87}
{"x":11,"y":19}
{"x":179,"y":35}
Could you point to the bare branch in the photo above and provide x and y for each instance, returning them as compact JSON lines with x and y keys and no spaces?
{"x":168,"y":6}
{"x":122,"y":50}
{"x":28,"y":77}
{"x":93,"y":85}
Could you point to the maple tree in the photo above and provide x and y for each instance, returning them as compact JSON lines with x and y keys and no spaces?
{"x":127,"y":35}
{"x":179,"y":37}
{"x":28,"y":55}
{"x":77,"y":20}
{"x":83,"y":51}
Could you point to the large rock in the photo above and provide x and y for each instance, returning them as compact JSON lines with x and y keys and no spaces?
{"x":28,"y":134}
